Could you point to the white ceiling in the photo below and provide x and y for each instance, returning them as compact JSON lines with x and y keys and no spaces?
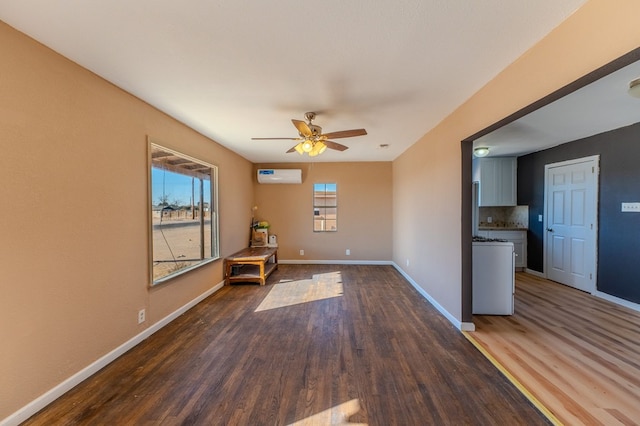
{"x":596,"y":108}
{"x":237,"y":69}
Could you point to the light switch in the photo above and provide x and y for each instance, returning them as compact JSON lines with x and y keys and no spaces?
{"x":539,"y":218}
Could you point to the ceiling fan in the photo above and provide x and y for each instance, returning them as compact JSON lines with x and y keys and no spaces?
{"x":313,"y":141}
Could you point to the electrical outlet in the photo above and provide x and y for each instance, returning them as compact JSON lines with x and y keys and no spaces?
{"x":631,"y":207}
{"x":301,"y":252}
{"x":141,"y":316}
{"x":348,"y":252}
{"x":489,"y":219}
{"x":407,"y":262}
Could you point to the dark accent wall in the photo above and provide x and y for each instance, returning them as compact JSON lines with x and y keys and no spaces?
{"x":618,"y":233}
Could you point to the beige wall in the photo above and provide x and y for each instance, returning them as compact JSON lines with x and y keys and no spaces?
{"x":364,"y":212}
{"x":74,"y":217}
{"x":427,"y":177}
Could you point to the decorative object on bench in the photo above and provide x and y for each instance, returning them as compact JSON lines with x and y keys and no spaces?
{"x":253,"y":224}
{"x":260,"y":234}
{"x":259,"y":238}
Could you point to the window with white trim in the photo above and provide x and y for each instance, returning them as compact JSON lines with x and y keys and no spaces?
{"x":184,"y":220}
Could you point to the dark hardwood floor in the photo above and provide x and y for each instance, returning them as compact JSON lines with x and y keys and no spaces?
{"x":379,"y":345}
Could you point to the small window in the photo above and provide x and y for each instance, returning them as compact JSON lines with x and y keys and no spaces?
{"x":325,"y":207}
{"x":184,"y":222}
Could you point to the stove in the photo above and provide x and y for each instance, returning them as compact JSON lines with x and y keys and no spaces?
{"x":488,"y":240}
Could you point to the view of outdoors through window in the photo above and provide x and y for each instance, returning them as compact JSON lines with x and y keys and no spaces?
{"x":325,"y":207}
{"x":184,"y":225}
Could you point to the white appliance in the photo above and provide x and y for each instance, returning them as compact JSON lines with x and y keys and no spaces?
{"x":279,"y":176}
{"x":493,"y":277}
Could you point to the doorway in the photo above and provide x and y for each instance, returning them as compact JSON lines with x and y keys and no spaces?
{"x":503,"y":124}
{"x":571,"y":222}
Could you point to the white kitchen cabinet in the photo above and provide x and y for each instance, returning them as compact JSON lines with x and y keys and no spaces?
{"x":519,"y":240}
{"x":498,"y":180}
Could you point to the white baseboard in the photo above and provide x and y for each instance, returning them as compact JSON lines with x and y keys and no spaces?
{"x":467,"y":326}
{"x":47,"y":398}
{"x":463,"y":326}
{"x":333,"y":262}
{"x":535,"y":273}
{"x":617,"y":300}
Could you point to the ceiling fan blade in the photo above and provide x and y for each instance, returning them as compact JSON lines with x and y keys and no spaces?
{"x":275,"y":139}
{"x":335,"y":145}
{"x":303,"y":128}
{"x":345,"y":134}
{"x":292,"y":149}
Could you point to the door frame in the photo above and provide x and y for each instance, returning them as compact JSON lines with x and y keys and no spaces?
{"x":466,"y":145}
{"x":595,"y":159}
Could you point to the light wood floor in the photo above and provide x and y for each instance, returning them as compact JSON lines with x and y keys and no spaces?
{"x":343,"y":342}
{"x":577,"y":354}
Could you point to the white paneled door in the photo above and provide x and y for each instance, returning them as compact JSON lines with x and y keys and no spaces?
{"x":571,"y":222}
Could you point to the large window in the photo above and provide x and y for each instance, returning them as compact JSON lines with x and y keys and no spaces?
{"x":325,"y":207}
{"x":184,"y":221}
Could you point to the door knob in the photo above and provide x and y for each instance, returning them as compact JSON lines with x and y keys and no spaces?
{"x":549,"y":229}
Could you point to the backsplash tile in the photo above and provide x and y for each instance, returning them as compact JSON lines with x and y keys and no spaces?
{"x":504,"y":217}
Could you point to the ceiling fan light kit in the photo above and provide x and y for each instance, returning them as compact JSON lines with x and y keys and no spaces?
{"x":310,"y":147}
{"x":313,"y":141}
{"x":318,"y":148}
{"x":634,"y":88}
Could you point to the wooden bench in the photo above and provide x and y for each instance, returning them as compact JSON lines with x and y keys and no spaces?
{"x":250,"y":265}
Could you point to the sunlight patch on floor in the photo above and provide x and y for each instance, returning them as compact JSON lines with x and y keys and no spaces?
{"x":287,"y":293}
{"x":338,"y":415}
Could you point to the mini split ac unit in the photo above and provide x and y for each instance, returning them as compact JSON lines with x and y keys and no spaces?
{"x":279,"y":176}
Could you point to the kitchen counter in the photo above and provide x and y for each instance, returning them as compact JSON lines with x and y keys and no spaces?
{"x":500,"y":228}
